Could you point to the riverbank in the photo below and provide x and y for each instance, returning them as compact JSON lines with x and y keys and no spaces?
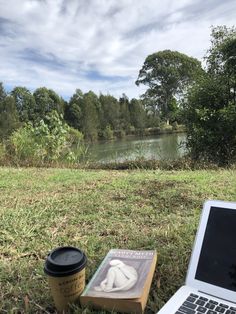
{"x":98,"y":210}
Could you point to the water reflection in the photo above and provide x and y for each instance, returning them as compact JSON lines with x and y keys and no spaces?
{"x":168,"y":146}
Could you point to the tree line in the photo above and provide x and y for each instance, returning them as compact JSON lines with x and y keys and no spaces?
{"x":102,"y":116}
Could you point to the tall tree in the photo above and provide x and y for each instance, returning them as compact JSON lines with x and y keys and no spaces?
{"x":46,"y":101}
{"x":73,"y":113}
{"x":137,"y":114}
{"x":221,"y":59}
{"x":3,"y":93}
{"x":9,"y":120}
{"x":90,"y":108}
{"x":25,"y":103}
{"x":109,"y":112}
{"x":167,"y":74}
{"x":124,"y":113}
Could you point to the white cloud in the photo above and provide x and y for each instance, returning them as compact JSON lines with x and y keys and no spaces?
{"x":56,"y":43}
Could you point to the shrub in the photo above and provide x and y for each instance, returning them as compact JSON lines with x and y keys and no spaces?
{"x":74,"y":137}
{"x":49,"y":141}
{"x":108,"y":133}
{"x":22,"y":146}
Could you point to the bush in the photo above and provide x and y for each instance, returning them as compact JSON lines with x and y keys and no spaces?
{"x":76,"y":148}
{"x":212,"y":135}
{"x":74,"y":137}
{"x":22,"y":146}
{"x":49,"y":141}
{"x":108,"y":133}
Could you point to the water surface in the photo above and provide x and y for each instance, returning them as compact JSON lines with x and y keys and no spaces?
{"x":166,"y":146}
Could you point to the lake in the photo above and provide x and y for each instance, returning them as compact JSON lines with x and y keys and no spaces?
{"x":165,"y":146}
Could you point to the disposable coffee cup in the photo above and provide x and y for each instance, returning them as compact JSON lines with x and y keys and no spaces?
{"x":65,"y":269}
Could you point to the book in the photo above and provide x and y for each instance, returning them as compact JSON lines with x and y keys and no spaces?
{"x":122,"y":281}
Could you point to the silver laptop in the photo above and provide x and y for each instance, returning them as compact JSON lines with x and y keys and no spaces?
{"x":210,"y":285}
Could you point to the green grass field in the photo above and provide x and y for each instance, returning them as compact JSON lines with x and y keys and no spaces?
{"x":41,"y":209}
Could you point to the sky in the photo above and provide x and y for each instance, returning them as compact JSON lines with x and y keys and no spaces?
{"x":99,"y":45}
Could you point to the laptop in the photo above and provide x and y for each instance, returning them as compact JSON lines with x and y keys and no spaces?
{"x":210,"y":285}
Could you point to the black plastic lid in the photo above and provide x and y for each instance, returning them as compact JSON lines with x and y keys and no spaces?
{"x":64,"y":261}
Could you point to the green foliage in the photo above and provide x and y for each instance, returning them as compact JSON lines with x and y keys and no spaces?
{"x":137,"y":114}
{"x":76,"y":149}
{"x":167,"y":74}
{"x":73,"y":113}
{"x":220,"y":51}
{"x":92,"y":115}
{"x":46,"y":101}
{"x":108,"y":133}
{"x":23,"y":146}
{"x":74,"y":137}
{"x":82,"y":113}
{"x":90,"y":107}
{"x":124,"y":113}
{"x":9,"y":119}
{"x":109,"y":112}
{"x":210,"y":114}
{"x":2,"y":92}
{"x":25,"y":103}
{"x":50,"y":140}
{"x":153,"y":121}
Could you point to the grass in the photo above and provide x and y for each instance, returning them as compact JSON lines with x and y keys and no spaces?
{"x":96,"y":210}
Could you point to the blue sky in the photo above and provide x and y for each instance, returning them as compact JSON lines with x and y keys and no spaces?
{"x":99,"y":45}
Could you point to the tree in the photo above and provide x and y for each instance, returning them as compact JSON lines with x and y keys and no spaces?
{"x":124,"y":113}
{"x":2,"y":92}
{"x":210,"y":113}
{"x":73,"y":113}
{"x":109,"y":112}
{"x":83,"y":113}
{"x":46,"y":101}
{"x":167,"y":74}
{"x":25,"y":103}
{"x":90,"y":107}
{"x":9,"y":120}
{"x":137,"y":114}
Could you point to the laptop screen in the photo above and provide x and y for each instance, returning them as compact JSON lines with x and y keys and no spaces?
{"x":217,"y":261}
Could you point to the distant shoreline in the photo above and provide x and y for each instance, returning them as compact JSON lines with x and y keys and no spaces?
{"x":142,"y":133}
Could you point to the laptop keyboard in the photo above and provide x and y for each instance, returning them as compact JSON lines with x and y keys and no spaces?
{"x":196,"y":304}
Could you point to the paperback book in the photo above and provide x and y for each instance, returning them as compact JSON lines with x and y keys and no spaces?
{"x":122,"y":281}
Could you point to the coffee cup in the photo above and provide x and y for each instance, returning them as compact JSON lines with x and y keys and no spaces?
{"x":65,"y":269}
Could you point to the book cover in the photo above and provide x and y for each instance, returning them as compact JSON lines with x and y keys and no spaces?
{"x":122,"y":281}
